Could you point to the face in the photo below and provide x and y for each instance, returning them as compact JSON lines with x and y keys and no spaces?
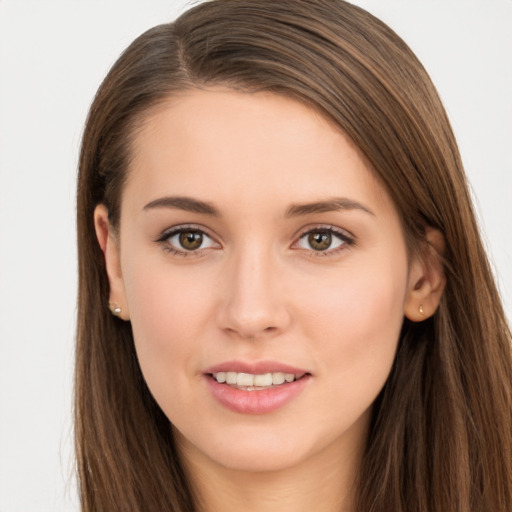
{"x":265,"y":274}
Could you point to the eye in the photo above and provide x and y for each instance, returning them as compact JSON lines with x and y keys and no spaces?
{"x":325,"y":240}
{"x":183,"y":240}
{"x":189,"y":240}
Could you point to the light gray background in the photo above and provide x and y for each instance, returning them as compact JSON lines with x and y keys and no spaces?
{"x":53,"y":55}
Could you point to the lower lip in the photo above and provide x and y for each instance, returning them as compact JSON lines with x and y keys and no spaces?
{"x":256,"y":402}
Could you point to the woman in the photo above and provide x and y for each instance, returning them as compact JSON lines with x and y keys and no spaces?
{"x":284,"y":300}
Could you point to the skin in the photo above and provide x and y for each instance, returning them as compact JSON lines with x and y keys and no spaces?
{"x":257,"y":290}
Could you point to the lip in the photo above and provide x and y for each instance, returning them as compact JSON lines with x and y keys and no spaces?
{"x":262,"y":401}
{"x":256,"y":368}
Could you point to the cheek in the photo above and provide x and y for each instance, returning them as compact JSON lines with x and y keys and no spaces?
{"x":168,"y":312}
{"x":357,"y":325}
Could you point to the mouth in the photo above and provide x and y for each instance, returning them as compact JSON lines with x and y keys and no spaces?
{"x":255,"y":382}
{"x":256,"y":387}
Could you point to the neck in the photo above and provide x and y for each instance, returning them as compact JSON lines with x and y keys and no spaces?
{"x":323,"y":483}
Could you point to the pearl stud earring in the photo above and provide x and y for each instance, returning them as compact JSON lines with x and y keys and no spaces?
{"x":114,"y":309}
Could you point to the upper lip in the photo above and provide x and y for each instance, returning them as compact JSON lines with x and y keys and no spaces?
{"x":255,"y":368}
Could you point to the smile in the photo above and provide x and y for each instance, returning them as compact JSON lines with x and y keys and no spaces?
{"x":257,"y":388}
{"x":255,"y":382}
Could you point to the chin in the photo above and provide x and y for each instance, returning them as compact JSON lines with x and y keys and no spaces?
{"x":258,"y":458}
{"x":255,"y":449}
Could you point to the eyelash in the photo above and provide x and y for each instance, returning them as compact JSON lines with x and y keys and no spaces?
{"x":346,"y":240}
{"x":188,"y":228}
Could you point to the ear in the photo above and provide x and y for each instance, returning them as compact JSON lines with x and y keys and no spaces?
{"x":109,"y":244}
{"x":426,"y":278}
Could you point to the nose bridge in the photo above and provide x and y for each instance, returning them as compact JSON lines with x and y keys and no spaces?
{"x":252,"y":303}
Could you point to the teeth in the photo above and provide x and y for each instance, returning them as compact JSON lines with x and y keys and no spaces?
{"x":231,"y":377}
{"x":278,"y":378}
{"x":263,"y":380}
{"x":248,"y":380}
{"x":244,"y":379}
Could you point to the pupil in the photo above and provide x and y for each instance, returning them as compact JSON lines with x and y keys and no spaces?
{"x":320,"y":241}
{"x":191,"y":240}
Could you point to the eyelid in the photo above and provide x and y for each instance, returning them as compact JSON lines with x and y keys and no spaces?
{"x":347,"y":238}
{"x":165,"y":235}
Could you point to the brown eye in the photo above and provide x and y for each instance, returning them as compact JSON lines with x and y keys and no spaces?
{"x":320,"y":240}
{"x":191,"y":240}
{"x":187,"y":240}
{"x":324,"y":240}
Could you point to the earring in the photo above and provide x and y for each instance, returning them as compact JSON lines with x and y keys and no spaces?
{"x":114,"y":309}
{"x":421,"y":310}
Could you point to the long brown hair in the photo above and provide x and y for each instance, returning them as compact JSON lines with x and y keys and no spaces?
{"x":441,"y":432}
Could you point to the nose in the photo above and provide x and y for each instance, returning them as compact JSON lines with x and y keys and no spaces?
{"x":253,"y":303}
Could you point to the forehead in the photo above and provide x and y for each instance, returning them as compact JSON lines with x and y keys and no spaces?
{"x":228,"y":144}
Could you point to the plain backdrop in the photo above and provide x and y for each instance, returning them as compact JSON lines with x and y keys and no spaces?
{"x":53,"y":55}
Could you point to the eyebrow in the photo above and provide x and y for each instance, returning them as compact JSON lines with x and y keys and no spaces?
{"x":190,"y":204}
{"x":184,"y":203}
{"x":331,"y":205}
